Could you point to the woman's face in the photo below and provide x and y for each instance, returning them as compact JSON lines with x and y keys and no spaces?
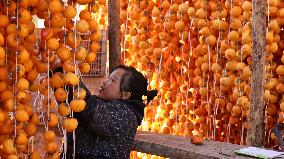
{"x":110,"y":88}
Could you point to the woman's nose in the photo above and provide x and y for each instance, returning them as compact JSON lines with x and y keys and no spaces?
{"x":105,"y":82}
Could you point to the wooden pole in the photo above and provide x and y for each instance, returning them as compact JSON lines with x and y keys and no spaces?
{"x":256,"y":125}
{"x":114,"y":32}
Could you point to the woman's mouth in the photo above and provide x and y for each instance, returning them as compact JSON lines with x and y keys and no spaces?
{"x":101,"y":89}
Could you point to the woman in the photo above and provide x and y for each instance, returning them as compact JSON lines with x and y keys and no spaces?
{"x":108,"y":124}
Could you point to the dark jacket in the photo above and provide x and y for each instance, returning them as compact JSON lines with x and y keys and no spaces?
{"x":106,"y":129}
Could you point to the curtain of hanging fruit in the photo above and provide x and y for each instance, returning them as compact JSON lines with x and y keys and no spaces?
{"x":197,"y":53}
{"x":26,"y":60}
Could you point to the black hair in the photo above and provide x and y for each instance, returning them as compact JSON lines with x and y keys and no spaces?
{"x":136,"y":83}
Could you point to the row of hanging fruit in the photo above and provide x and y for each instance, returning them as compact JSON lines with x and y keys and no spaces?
{"x":31,"y":94}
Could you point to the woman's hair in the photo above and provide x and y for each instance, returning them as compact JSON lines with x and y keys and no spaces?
{"x":134,"y":82}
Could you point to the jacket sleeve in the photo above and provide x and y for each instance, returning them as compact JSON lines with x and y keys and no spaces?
{"x":111,"y":119}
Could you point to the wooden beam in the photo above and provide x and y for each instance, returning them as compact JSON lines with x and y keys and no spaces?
{"x":114,"y":32}
{"x":180,"y":147}
{"x":256,"y":125}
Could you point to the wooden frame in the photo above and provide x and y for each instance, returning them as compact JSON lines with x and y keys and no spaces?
{"x":256,"y":118}
{"x":114,"y":33}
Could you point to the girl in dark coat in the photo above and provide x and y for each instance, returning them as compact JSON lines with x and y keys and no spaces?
{"x":108,"y":124}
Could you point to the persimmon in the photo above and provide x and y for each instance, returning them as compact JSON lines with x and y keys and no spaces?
{"x":69,"y":24}
{"x":183,"y":8}
{"x":247,"y":6}
{"x":82,"y":26}
{"x":280,"y":70}
{"x":77,"y":105}
{"x":69,"y":66}
{"x":41,"y":67}
{"x":179,"y":25}
{"x":191,"y":12}
{"x":70,"y":12}
{"x":52,"y":44}
{"x":80,"y":93}
{"x":35,"y":155}
{"x":51,"y":147}
{"x":11,"y":40}
{"x":60,"y":94}
{"x":49,"y":136}
{"x":83,"y":2}
{"x":9,"y":105}
{"x":85,"y":14}
{"x":94,"y":47}
{"x":71,"y":40}
{"x":1,"y":39}
{"x":12,"y":157}
{"x":8,"y":146}
{"x":4,"y":73}
{"x":3,"y":116}
{"x":22,"y":138}
{"x":165,"y":130}
{"x":200,"y":13}
{"x":55,"y":6}
{"x":11,"y":28}
{"x":63,"y":53}
{"x":93,"y":26}
{"x":81,"y":54}
{"x":91,"y":57}
{"x":236,"y":11}
{"x":57,"y":80}
{"x":43,"y":86}
{"x":22,"y":116}
{"x":53,"y":120}
{"x":11,"y":8}
{"x":24,"y":3}
{"x":144,"y":21}
{"x":31,"y":38}
{"x":22,"y":97}
{"x":33,"y":3}
{"x":46,"y":33}
{"x":23,"y":56}
{"x":63,"y":109}
{"x":23,"y":30}
{"x":32,"y":74}
{"x":3,"y":86}
{"x":57,"y":21}
{"x":6,"y":95}
{"x":70,"y":124}
{"x":22,"y":84}
{"x":84,"y":67}
{"x":30,"y":129}
{"x":34,"y":119}
{"x":24,"y":16}
{"x":4,"y":21}
{"x":71,"y":79}
{"x":155,"y":12}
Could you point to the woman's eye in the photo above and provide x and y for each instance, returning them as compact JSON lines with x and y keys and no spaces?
{"x":111,"y":78}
